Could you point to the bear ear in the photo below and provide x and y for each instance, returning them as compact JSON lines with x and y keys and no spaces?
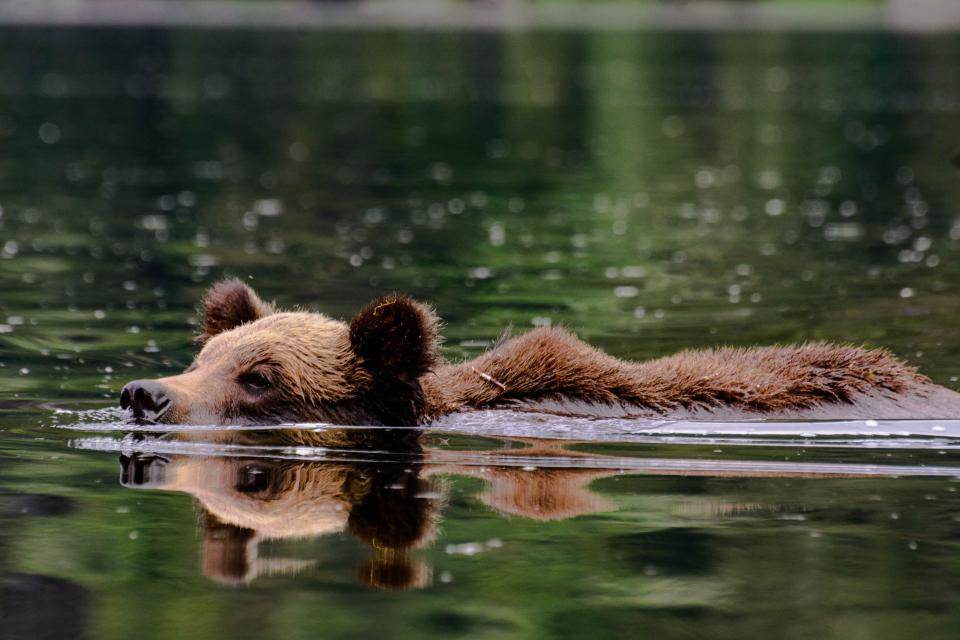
{"x":396,"y":336}
{"x":226,"y":305}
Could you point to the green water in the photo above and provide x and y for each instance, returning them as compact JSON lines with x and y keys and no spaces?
{"x":652,"y":192}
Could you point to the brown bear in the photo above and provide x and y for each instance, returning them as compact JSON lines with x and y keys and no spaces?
{"x":258,"y":365}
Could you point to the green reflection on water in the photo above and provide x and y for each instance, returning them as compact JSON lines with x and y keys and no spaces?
{"x":653,"y":192}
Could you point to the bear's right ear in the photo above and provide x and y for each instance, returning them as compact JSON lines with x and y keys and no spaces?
{"x":396,"y":337}
{"x":228,"y":304}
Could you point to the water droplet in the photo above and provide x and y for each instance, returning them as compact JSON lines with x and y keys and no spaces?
{"x":774,"y":207}
{"x":203,"y":260}
{"x":49,"y":133}
{"x":497,"y":235}
{"x":268,"y":207}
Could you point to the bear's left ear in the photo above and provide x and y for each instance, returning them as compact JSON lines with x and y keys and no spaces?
{"x":396,"y":336}
{"x":228,"y":304}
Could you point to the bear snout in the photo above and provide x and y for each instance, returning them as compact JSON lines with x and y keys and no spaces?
{"x":145,"y":400}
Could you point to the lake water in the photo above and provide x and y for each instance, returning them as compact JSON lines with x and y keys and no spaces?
{"x":651,"y":191}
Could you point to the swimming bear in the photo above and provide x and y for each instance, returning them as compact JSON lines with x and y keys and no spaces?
{"x":260,"y":365}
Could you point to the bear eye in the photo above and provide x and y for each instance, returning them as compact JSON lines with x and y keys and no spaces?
{"x":254,"y":380}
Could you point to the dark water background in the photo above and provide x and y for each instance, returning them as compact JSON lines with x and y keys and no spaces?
{"x":651,"y":191}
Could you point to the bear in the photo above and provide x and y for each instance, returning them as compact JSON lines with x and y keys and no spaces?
{"x":261,"y":365}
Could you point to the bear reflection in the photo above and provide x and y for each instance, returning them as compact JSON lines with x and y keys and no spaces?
{"x":393,"y":507}
{"x":517,"y":488}
{"x":248,"y":501}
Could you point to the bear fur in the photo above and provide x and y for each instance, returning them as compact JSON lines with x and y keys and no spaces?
{"x":258,"y":365}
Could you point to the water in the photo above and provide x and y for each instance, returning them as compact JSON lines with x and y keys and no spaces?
{"x":652,"y":192}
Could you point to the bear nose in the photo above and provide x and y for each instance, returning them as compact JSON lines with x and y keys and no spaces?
{"x":145,"y":400}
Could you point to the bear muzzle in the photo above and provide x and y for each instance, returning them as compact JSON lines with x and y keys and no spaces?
{"x":145,"y":401}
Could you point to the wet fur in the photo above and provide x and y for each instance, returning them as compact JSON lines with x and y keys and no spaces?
{"x":228,"y":304}
{"x":384,"y":369}
{"x":553,"y":365}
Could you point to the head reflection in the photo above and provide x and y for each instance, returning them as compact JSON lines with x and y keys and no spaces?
{"x":392,"y":507}
{"x":247,"y":501}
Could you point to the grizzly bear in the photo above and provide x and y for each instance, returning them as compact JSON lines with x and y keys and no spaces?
{"x":258,"y":365}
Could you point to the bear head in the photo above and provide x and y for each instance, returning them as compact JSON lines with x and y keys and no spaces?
{"x":258,"y":365}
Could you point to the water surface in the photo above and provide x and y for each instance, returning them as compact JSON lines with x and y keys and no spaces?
{"x":652,"y":192}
